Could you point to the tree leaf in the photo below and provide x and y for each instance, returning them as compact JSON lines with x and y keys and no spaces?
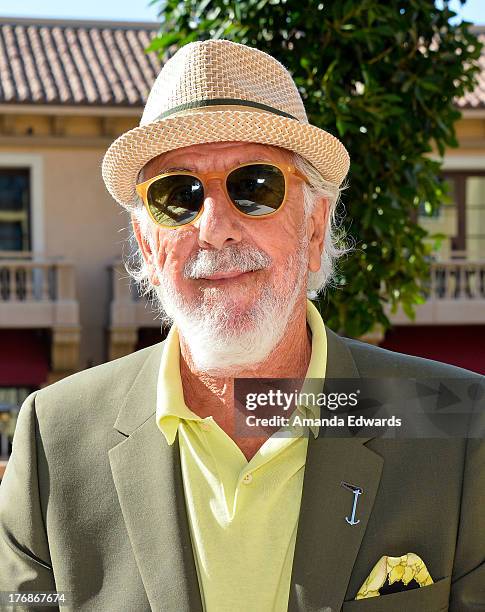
{"x":405,"y":111}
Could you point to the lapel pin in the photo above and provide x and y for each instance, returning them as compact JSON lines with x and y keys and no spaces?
{"x":356,"y":491}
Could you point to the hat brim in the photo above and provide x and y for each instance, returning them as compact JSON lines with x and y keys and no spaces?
{"x":130,"y":152}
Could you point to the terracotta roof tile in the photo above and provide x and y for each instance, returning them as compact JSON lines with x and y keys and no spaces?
{"x":76,"y":62}
{"x":98,"y":64}
{"x":44,"y":72}
{"x":16,"y":63}
{"x":476,"y":98}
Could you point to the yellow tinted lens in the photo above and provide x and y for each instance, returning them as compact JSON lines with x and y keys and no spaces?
{"x":257,"y":189}
{"x":175,"y":199}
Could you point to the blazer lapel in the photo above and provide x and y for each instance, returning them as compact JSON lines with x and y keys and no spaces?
{"x":147,"y":476}
{"x":326,"y":544}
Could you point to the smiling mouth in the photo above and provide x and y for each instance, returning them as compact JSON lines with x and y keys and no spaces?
{"x":226,"y":275}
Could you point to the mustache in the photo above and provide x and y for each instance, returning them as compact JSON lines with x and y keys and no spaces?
{"x":242,"y":258}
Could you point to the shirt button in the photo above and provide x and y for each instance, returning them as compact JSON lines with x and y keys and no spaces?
{"x":205,"y":426}
{"x":247,"y":478}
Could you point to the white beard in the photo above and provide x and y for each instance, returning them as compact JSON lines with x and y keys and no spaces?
{"x":222,"y":340}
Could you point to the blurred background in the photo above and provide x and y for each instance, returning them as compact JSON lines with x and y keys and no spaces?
{"x":74,"y":76}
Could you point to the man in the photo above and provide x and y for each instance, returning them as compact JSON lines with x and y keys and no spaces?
{"x":131,"y":486}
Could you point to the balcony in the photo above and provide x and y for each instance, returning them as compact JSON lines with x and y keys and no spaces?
{"x":128,"y":312}
{"x":455,"y":295}
{"x":36,"y":293}
{"x":39,"y":293}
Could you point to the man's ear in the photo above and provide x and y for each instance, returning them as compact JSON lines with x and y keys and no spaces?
{"x":318,"y":227}
{"x":146,"y":250}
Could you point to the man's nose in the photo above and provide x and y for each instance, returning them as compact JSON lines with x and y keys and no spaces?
{"x":219,"y":224}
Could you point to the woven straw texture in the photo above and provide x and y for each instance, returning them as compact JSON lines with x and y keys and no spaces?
{"x":233,"y":75}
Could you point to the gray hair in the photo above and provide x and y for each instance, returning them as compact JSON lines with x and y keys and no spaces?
{"x":334,"y":246}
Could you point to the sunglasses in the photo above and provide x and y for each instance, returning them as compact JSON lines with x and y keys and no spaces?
{"x":255,"y":189}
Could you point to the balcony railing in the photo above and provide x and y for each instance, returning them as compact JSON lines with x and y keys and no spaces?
{"x":459,"y":280}
{"x":455,"y":295}
{"x":37,"y":292}
{"x":25,"y":281}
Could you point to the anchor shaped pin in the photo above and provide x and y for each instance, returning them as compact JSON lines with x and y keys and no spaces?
{"x":356,"y":491}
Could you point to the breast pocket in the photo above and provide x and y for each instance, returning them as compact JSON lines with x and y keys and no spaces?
{"x":432,"y":598}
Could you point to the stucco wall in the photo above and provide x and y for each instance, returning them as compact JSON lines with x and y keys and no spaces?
{"x":82,"y":224}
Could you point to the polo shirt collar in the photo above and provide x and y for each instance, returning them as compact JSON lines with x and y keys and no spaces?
{"x":171,"y":406}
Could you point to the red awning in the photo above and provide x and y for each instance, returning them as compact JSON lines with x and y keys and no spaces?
{"x":24,"y":357}
{"x":460,"y":345}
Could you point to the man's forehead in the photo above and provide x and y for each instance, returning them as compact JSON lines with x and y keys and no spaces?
{"x":217,"y":152}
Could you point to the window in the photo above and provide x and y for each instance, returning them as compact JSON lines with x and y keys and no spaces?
{"x":463,"y":220}
{"x":11,"y":398}
{"x":469,"y":196}
{"x":475,"y":216}
{"x":444,"y":220}
{"x":15,"y":221}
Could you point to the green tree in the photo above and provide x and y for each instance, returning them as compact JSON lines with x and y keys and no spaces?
{"x":381,"y":76}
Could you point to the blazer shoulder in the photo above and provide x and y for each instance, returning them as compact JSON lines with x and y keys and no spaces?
{"x":374,"y":361}
{"x":103,"y":385}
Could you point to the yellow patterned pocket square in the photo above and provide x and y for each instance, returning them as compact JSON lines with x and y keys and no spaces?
{"x":395,"y":574}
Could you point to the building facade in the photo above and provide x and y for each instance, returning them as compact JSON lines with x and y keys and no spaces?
{"x":67,"y":89}
{"x":450,"y":325}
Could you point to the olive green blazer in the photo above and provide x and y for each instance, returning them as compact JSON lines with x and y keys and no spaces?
{"x":92,"y":500}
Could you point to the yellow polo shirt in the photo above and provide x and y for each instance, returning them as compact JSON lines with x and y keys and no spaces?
{"x":243,"y":516}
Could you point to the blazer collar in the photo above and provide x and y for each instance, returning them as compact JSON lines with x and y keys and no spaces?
{"x":147,"y":476}
{"x":138,"y":402}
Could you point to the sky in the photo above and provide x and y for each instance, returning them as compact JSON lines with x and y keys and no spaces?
{"x":140,"y":10}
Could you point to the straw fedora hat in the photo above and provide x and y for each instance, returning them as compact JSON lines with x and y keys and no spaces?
{"x":218,"y":91}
